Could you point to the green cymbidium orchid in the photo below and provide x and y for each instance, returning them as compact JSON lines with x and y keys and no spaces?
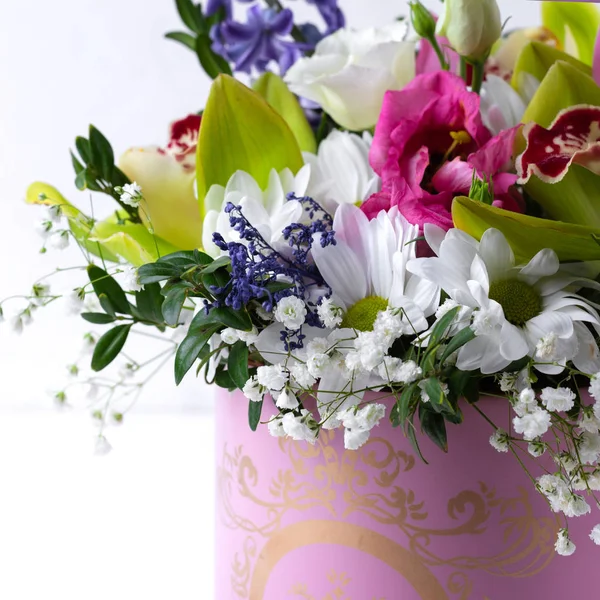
{"x":527,"y":235}
{"x":241,"y":131}
{"x":575,"y":24}
{"x":108,"y":240}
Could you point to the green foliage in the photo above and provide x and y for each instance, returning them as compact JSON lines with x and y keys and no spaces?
{"x":254,"y":412}
{"x":237,"y":364}
{"x":109,"y":346}
{"x":95,"y":169}
{"x":198,"y":39}
{"x":189,"y":350}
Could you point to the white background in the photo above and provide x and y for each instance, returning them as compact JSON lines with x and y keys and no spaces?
{"x":138,"y":522}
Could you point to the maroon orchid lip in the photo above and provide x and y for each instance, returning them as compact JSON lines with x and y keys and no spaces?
{"x":573,"y":138}
{"x":184,"y":136}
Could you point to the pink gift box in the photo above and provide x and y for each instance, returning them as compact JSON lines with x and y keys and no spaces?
{"x":302,"y":522}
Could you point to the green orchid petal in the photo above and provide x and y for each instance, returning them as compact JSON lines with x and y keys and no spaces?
{"x":575,"y":199}
{"x":169,"y":207}
{"x":240,"y":131}
{"x":79,"y":223}
{"x":575,"y":24}
{"x":527,"y":235}
{"x":273,"y":89}
{"x":131,"y":241}
{"x":536,"y":59}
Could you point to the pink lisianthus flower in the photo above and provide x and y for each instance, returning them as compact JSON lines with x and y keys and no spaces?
{"x":428,"y":142}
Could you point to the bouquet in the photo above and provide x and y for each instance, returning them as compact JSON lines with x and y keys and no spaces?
{"x":412,"y":210}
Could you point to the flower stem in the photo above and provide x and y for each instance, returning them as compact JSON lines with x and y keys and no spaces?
{"x":436,"y":46}
{"x":477,"y":81}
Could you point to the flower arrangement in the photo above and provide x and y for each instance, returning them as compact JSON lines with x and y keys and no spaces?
{"x":410,"y":210}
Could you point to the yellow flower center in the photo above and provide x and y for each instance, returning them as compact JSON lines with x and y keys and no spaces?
{"x":361,"y":316}
{"x":518,"y":299}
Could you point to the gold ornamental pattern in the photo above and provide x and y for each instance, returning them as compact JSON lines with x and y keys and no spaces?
{"x":321,"y":475}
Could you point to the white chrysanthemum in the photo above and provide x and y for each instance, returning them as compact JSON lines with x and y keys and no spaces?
{"x":291,"y":311}
{"x":366,"y":269}
{"x":564,"y":546}
{"x":533,"y":424}
{"x":268,"y":211}
{"x":558,"y":399}
{"x":514,"y":306}
{"x":340,"y":172}
{"x":499,"y":440}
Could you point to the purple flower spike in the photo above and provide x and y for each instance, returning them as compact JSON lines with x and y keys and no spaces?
{"x":258,"y":41}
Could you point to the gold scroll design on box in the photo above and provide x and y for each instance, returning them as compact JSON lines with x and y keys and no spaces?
{"x":316,"y":476}
{"x":339,"y":584}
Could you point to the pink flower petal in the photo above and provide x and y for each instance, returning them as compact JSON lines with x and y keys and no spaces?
{"x":573,"y":137}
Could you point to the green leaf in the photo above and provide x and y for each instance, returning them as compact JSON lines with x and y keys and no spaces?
{"x":411,"y":434}
{"x":103,"y":283}
{"x":102,"y":153}
{"x":149,"y":302}
{"x":190,"y":15}
{"x":76,"y":164}
{"x":109,"y":346}
{"x":211,"y":62}
{"x":274,"y":90}
{"x":240,"y":131}
{"x":84,"y":149}
{"x":433,"y":426}
{"x":437,"y":398}
{"x":223,"y":380}
{"x":527,"y":235}
{"x":254,"y":412}
{"x":183,"y":38}
{"x":105,"y":303}
{"x":189,"y":350}
{"x":574,"y":24}
{"x":186,"y":259}
{"x":98,"y":318}
{"x":458,"y":341}
{"x":225,"y":316}
{"x":464,"y":384}
{"x":219,"y":263}
{"x":405,"y":404}
{"x":172,"y":305}
{"x":237,"y":364}
{"x":154,"y":272}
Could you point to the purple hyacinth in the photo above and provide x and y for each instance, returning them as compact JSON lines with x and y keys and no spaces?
{"x":331,"y":13}
{"x":258,"y":41}
{"x":213,"y":6}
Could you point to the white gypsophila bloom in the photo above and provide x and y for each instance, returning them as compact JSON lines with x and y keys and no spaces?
{"x":355,"y":438}
{"x":301,"y":375}
{"x":53,"y":213}
{"x":546,"y":348}
{"x":340,"y":171}
{"x":248,"y":337}
{"x":92,"y":391}
{"x":300,"y":427}
{"x":533,"y":424}
{"x":576,"y":506}
{"x":291,"y":311}
{"x":40,"y":292}
{"x":131,"y":194}
{"x":388,"y":326}
{"x":536,"y":449}
{"x":269,"y":210}
{"x":559,"y":399}
{"x":102,"y":446}
{"x":388,"y":368}
{"x":595,"y":535}
{"x":230,"y":336}
{"x":350,"y":71}
{"x":264,"y":314}
{"x":74,"y":302}
{"x":317,"y":364}
{"x":594,"y":389}
{"x":131,"y":281}
{"x":566,"y":461}
{"x":253,"y":390}
{"x":16,"y":324}
{"x":408,"y":372}
{"x":589,"y":422}
{"x":564,"y":546}
{"x":353,"y":362}
{"x":275,"y":427}
{"x":593,"y":481}
{"x":331,"y":315}
{"x":287,"y":400}
{"x":59,"y":240}
{"x":514,"y":306}
{"x":318,"y":345}
{"x":589,"y":447}
{"x":127,"y":370}
{"x":555,"y":490}
{"x":499,"y":440}
{"x":44,"y":228}
{"x":371,"y":349}
{"x":272,"y":377}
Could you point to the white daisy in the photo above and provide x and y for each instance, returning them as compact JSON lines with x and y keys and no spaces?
{"x":366,"y":269}
{"x":515,"y":307}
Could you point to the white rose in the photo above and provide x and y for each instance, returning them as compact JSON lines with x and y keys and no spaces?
{"x":471,"y":26}
{"x":350,"y":72}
